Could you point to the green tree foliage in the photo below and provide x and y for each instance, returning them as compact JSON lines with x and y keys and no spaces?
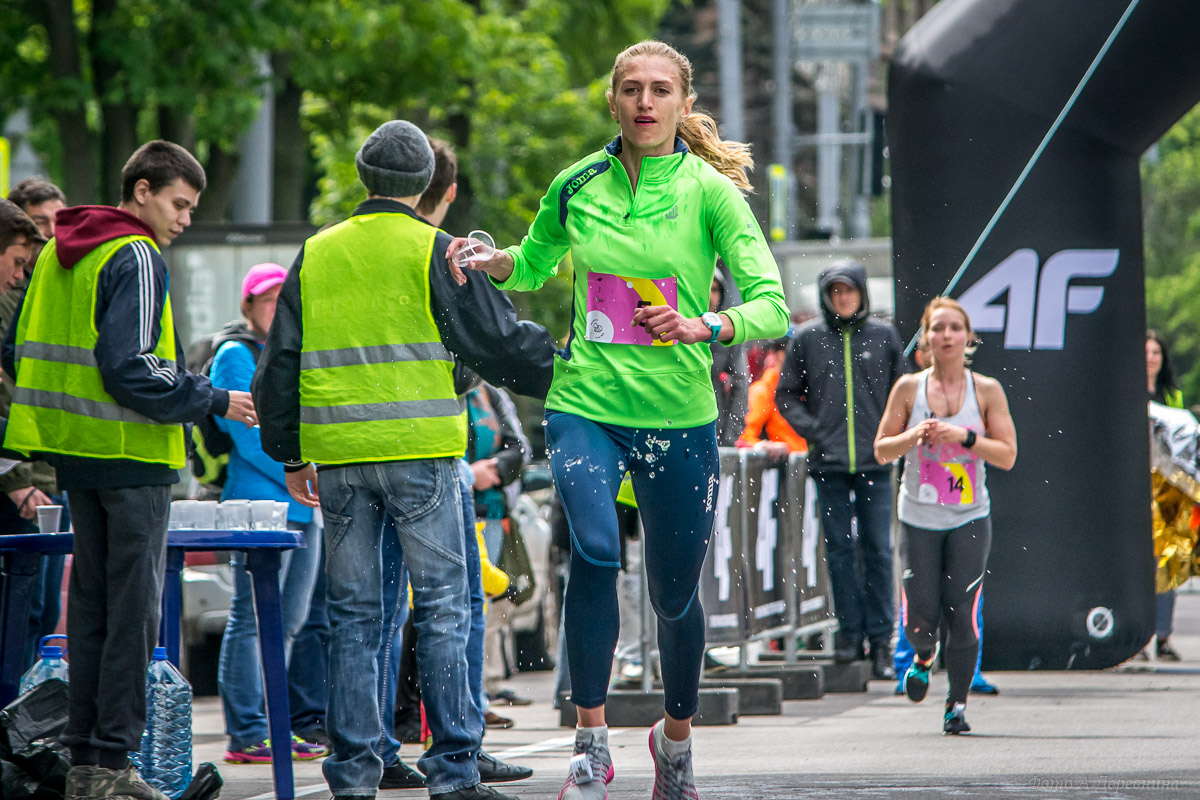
{"x":102,"y":76}
{"x":1171,"y":207}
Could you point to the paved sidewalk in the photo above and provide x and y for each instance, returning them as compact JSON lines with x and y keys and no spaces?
{"x":1131,"y":732}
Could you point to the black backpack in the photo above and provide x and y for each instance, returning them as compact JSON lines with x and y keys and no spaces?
{"x":209,"y":456}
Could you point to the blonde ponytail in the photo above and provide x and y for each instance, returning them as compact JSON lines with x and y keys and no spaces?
{"x":697,"y":130}
{"x":732,"y":159}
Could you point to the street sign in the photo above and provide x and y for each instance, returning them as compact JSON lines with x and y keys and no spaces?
{"x":835,"y":32}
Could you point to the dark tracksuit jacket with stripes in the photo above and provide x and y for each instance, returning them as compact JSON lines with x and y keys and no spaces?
{"x":130,"y":297}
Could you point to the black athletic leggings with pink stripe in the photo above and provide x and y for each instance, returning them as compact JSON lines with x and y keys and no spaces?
{"x":943,"y":578}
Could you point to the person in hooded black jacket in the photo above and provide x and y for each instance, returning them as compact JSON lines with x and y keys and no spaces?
{"x":833,"y":388}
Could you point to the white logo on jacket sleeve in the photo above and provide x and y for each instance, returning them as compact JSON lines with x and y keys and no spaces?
{"x":1049,"y":293}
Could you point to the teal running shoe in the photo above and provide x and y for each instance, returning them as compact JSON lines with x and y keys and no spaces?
{"x":956,"y":720}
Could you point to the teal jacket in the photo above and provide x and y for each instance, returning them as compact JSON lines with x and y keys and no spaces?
{"x":683,"y":215}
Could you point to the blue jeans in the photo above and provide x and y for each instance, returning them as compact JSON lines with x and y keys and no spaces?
{"x":424,"y":498}
{"x":387,"y":661}
{"x":475,"y":587}
{"x":675,"y":478}
{"x":862,"y":601}
{"x":239,"y":673}
{"x":1164,"y":614}
{"x":308,"y":688}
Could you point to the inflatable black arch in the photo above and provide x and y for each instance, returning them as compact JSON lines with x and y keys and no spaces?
{"x":1056,"y":289}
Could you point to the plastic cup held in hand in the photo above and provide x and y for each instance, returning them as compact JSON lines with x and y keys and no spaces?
{"x":480,"y":246}
{"x":49,"y":519}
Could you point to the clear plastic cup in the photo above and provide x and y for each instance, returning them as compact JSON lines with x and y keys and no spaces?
{"x":280,"y":516}
{"x":480,"y":246}
{"x":206,"y":515}
{"x":262,"y":514}
{"x":49,"y":519}
{"x":236,"y":515}
{"x":183,"y":514}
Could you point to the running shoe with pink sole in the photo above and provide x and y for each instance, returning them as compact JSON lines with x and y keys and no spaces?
{"x":672,"y":775}
{"x":588,"y":778}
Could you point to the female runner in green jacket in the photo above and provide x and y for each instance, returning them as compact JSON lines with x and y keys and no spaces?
{"x":644,"y":220}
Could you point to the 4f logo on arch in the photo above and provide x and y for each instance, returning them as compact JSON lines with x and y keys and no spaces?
{"x":1040,"y":301}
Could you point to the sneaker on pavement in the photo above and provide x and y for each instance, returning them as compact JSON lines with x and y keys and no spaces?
{"x":493,"y":720}
{"x":509,"y":697}
{"x":493,"y":770}
{"x":476,"y":792}
{"x":303,"y":750}
{"x":590,"y":775}
{"x":956,"y":719}
{"x":672,"y":773}
{"x":317,"y":736}
{"x":401,"y":776}
{"x":916,"y":680}
{"x":980,"y":685}
{"x":881,"y":663}
{"x":1164,"y":652}
{"x":254,"y":754}
{"x":125,"y":784}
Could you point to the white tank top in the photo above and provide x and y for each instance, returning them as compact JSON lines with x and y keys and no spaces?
{"x":944,"y":487}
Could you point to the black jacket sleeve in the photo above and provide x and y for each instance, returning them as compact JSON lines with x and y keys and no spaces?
{"x":276,"y":385}
{"x":478,"y":324}
{"x":8,"y":351}
{"x":514,"y":447}
{"x":130,"y":298}
{"x":792,"y":393}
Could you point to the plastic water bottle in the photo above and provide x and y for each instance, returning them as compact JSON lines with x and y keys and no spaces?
{"x":165,"y":760}
{"x":50,"y":665}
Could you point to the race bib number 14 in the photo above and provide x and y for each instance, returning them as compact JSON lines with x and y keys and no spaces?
{"x":950,"y":483}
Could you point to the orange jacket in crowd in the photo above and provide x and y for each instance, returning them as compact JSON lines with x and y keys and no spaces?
{"x":763,"y":420}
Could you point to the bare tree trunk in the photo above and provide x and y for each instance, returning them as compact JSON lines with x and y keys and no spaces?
{"x":117,"y":143}
{"x":291,"y":145}
{"x":177,"y":127}
{"x":221,"y":171}
{"x":78,"y":144}
{"x":118,"y":139}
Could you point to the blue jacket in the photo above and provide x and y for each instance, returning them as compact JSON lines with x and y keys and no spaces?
{"x":252,"y":475}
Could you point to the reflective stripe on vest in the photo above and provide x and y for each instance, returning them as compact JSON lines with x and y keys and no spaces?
{"x":376,"y":382}
{"x":60,"y":404}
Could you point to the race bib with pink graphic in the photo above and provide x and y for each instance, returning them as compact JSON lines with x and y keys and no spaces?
{"x":948,"y":483}
{"x":612,"y":301}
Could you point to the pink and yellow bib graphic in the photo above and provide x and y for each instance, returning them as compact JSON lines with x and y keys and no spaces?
{"x":612,"y":301}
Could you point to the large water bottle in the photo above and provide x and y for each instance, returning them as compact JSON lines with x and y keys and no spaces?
{"x":49,"y":665}
{"x":165,"y":760}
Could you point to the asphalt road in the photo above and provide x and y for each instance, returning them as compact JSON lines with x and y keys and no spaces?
{"x":1130,"y":732}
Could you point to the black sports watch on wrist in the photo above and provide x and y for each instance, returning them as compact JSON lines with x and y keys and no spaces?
{"x":969,"y":442}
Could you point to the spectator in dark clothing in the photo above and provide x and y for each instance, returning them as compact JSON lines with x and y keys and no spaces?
{"x":832,"y":390}
{"x":97,"y":326}
{"x":729,"y":372}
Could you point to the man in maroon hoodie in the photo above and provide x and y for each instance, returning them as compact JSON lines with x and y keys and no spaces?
{"x":101,"y":393}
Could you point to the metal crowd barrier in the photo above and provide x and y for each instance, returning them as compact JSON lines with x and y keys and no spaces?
{"x":765,"y":574}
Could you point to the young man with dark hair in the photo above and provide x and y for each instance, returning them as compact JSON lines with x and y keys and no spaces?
{"x":18,"y":238}
{"x":41,"y":200}
{"x":443,"y":186}
{"x":101,"y":393}
{"x":29,"y":485}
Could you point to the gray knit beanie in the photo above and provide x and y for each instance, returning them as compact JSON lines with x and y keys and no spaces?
{"x":396,"y":160}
